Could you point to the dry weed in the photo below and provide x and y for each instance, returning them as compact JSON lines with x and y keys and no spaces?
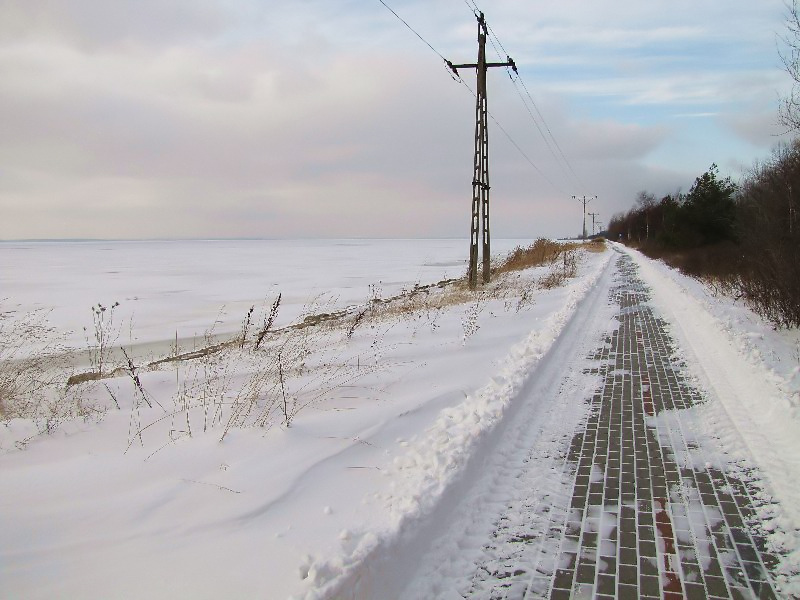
{"x":34,"y":370}
{"x":597,"y":244}
{"x":541,"y":252}
{"x":104,"y":335}
{"x":560,"y":270}
{"x":266,"y":377}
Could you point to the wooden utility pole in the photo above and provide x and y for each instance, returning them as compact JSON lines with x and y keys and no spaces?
{"x":480,"y":176}
{"x":585,"y":201}
{"x":593,"y":215}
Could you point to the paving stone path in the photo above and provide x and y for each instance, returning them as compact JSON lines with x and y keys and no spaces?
{"x":648,"y":516}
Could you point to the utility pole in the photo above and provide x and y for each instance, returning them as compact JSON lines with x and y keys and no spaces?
{"x":593,"y":215}
{"x":480,"y":176}
{"x":585,"y":201}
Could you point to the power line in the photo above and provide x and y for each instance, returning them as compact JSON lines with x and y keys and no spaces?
{"x":414,"y":31}
{"x":474,"y":8}
{"x":494,"y":35}
{"x":514,"y":143}
{"x":525,"y":156}
{"x":495,"y":41}
{"x":560,"y":156}
{"x":535,"y":122}
{"x":555,"y":142}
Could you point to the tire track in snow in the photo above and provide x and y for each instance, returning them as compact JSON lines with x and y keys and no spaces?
{"x":526,"y":468}
{"x":440,"y":467}
{"x":551,"y":536}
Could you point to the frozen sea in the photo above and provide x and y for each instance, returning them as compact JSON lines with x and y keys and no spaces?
{"x":184,"y":288}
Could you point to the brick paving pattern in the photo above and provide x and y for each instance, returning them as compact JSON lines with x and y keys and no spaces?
{"x":644,"y":520}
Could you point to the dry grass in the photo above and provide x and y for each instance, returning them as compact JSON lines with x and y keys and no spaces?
{"x":431,"y":300}
{"x":265,"y":377}
{"x":597,"y":244}
{"x":541,"y":252}
{"x":263,"y":381}
{"x":561,"y":269}
{"x":34,"y":371}
{"x":436,"y":297}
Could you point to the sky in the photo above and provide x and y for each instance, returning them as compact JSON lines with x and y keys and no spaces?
{"x":330,"y":118}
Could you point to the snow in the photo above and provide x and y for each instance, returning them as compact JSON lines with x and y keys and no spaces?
{"x":180,"y":287}
{"x":347,"y":499}
{"x":427,"y":469}
{"x":750,"y":372}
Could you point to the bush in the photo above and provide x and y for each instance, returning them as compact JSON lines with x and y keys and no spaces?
{"x":769,"y":230}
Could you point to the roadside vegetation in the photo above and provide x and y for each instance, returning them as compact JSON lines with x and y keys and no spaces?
{"x":34,"y":371}
{"x":262,"y":376}
{"x":744,"y":239}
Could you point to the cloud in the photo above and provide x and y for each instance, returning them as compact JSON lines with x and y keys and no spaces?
{"x":95,"y":25}
{"x":759,"y":127}
{"x":210,"y":118}
{"x":616,"y":38}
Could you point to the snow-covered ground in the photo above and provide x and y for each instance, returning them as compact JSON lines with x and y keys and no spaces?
{"x":151,"y":502}
{"x":169,"y":287}
{"x":752,"y":369}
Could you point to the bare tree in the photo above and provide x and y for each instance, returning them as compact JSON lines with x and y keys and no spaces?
{"x":645,"y":201}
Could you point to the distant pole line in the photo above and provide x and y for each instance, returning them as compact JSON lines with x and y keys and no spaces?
{"x":593,"y":215}
{"x":585,"y":201}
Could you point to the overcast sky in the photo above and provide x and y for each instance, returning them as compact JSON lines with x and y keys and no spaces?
{"x":328,"y":118}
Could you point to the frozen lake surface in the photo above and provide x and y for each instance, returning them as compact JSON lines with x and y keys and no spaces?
{"x":182,"y":287}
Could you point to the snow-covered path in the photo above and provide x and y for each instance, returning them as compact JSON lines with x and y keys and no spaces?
{"x":604,"y":480}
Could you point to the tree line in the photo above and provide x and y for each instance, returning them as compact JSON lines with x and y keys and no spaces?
{"x":744,"y":238}
{"x":706,"y":215}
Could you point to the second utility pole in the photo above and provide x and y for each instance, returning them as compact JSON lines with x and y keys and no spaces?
{"x":480,"y":177}
{"x":585,"y":202}
{"x":593,"y":215}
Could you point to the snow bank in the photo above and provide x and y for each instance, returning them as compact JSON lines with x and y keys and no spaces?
{"x":182,"y":514}
{"x":435,"y":459}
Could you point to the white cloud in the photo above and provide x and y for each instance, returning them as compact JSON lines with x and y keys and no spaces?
{"x":212,"y":118}
{"x":617,"y":38}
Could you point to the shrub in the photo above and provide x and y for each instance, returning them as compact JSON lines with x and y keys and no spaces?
{"x":33,"y":372}
{"x":769,"y":230}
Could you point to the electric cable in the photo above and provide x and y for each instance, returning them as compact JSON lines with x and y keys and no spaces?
{"x":514,"y":143}
{"x":474,"y":95}
{"x":560,"y":156}
{"x":555,"y":142}
{"x":472,"y":7}
{"x":414,"y":31}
